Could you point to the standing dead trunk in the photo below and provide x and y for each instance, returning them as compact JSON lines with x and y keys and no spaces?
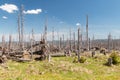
{"x":3,"y":41}
{"x":109,"y":41}
{"x":78,"y":45}
{"x":87,"y":39}
{"x":10,"y":42}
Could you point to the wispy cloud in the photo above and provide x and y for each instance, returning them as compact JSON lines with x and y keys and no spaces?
{"x":36,"y":11}
{"x":10,"y":8}
{"x":4,"y":17}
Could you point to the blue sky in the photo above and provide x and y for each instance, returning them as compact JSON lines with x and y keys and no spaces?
{"x":104,"y":16}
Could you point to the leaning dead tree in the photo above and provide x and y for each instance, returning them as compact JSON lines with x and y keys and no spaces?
{"x":87,"y":39}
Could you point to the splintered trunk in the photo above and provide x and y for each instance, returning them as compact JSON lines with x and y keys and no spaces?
{"x":78,"y":45}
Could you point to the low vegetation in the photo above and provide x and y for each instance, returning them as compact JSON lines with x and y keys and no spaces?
{"x":61,"y":68}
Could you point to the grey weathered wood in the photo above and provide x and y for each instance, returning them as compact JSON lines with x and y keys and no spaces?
{"x":87,"y":39}
{"x":78,"y":44}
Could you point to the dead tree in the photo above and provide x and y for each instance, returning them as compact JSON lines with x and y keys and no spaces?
{"x":33,"y":37}
{"x":74,"y":41}
{"x":70,"y":42}
{"x":109,"y":41}
{"x":53,"y":37}
{"x":78,"y":45}
{"x":63,"y":41}
{"x":87,"y":39}
{"x":3,"y":41}
{"x":22,"y":26}
{"x":45,"y":31}
{"x":89,"y":44}
{"x":81,"y":39}
{"x":19,"y":29}
{"x":60,"y":42}
{"x":10,"y":42}
{"x":93,"y":42}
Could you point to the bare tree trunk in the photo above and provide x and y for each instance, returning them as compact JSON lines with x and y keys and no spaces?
{"x":53,"y":37}
{"x":78,"y":45}
{"x":109,"y":41}
{"x":10,"y":42}
{"x":45,"y":31}
{"x":74,"y":41}
{"x":60,"y":42}
{"x":19,"y":33}
{"x":87,"y":39}
{"x":63,"y":42}
{"x":33,"y":37}
{"x":22,"y":27}
{"x":70,"y":42}
{"x":3,"y":41}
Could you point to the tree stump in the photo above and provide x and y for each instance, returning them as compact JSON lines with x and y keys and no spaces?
{"x":110,"y":61}
{"x":93,"y":53}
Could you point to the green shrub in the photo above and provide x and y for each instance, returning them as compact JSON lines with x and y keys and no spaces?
{"x":75,"y":59}
{"x":115,"y":57}
{"x":82,"y":59}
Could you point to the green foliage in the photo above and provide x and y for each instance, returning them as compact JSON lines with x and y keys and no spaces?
{"x":115,"y":57}
{"x":75,"y":59}
{"x":60,"y":68}
{"x":82,"y":59}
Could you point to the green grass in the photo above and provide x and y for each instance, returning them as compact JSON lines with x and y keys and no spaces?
{"x":61,"y":68}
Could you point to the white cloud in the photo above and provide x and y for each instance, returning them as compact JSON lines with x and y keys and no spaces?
{"x":4,"y":17}
{"x":78,"y":24}
{"x":37,"y":11}
{"x":10,"y":8}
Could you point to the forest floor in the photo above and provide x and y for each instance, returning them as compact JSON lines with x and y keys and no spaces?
{"x":61,"y":68}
